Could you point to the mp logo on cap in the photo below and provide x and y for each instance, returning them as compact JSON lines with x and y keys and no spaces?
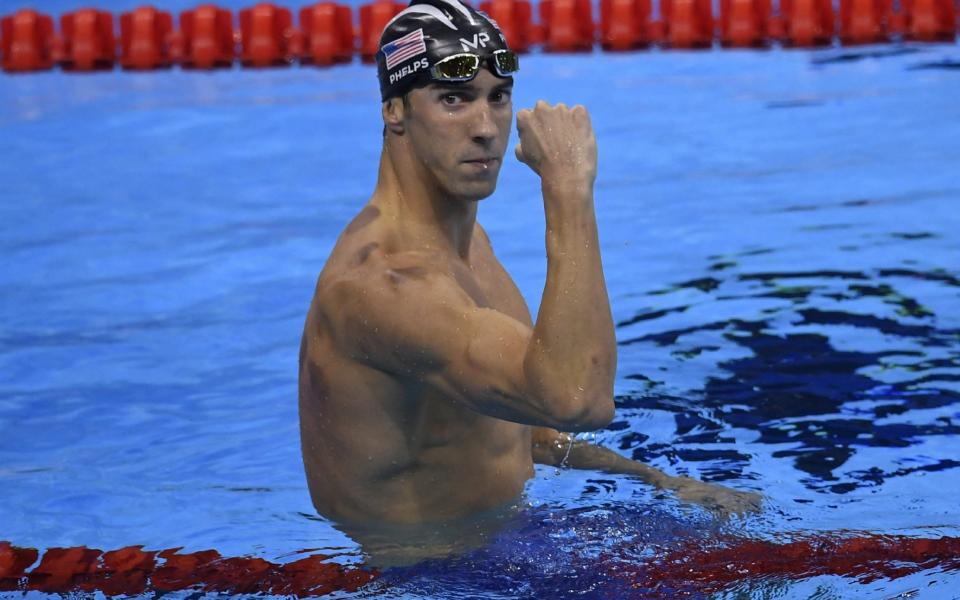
{"x":479,"y":39}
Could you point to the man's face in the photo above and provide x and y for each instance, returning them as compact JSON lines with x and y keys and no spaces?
{"x":459,"y":132}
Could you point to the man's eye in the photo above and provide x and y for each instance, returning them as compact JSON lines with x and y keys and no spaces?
{"x":500,"y":97}
{"x":451,"y":99}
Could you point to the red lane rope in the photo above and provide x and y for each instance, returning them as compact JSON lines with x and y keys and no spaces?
{"x":864,"y":558}
{"x":326,"y":33}
{"x":133,"y":570}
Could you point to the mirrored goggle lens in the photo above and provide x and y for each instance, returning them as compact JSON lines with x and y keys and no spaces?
{"x":461,"y":67}
{"x":505,"y":62}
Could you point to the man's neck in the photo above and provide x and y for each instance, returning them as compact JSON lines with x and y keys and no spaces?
{"x":424,"y":214}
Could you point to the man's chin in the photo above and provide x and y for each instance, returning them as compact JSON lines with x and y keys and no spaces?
{"x":476,"y":190}
{"x":485,"y":194}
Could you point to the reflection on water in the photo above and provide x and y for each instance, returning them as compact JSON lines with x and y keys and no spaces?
{"x":619,"y":553}
{"x":397,"y":545}
{"x":554,"y":552}
{"x":818,"y":403}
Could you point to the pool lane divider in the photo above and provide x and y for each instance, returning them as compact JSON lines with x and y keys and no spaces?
{"x":697,"y":566}
{"x":864,"y":558}
{"x":326,"y":33}
{"x":133,"y":570}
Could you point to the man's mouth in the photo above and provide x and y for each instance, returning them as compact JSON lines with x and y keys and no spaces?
{"x":483,"y":163}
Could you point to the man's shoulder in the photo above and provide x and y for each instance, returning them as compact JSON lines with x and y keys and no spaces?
{"x":391,"y":299}
{"x":368,"y":271}
{"x":483,"y":232}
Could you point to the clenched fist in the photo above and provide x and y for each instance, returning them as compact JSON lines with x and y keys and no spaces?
{"x":558,"y":143}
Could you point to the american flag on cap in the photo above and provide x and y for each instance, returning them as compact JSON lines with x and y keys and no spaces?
{"x":402,"y":48}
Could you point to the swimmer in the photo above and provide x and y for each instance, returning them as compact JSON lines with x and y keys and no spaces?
{"x":426,"y":390}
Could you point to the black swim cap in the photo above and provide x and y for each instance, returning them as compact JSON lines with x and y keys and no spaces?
{"x":426,"y":32}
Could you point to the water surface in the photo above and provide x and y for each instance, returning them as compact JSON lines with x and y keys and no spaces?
{"x":780,"y":243}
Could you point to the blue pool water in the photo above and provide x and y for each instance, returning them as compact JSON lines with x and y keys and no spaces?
{"x":780,"y":241}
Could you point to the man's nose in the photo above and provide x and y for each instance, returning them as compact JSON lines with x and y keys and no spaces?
{"x":484,"y":127}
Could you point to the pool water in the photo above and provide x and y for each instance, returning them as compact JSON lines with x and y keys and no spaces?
{"x":780,"y":243}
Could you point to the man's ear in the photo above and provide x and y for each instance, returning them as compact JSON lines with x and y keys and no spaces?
{"x":394,"y":112}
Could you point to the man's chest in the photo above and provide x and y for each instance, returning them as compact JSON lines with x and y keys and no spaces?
{"x":490,"y":286}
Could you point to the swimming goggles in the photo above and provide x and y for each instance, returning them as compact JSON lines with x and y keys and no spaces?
{"x":465,"y":66}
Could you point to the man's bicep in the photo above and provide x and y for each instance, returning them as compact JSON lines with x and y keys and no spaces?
{"x":486,"y":369}
{"x":422,"y":324}
{"x":429,"y":329}
{"x":485,"y":366}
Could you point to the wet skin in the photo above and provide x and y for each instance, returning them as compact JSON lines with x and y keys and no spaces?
{"x":383,"y":439}
{"x":426,"y":389}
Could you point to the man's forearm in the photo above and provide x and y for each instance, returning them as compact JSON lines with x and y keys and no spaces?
{"x":573,"y":349}
{"x":560,"y":449}
{"x":565,"y":450}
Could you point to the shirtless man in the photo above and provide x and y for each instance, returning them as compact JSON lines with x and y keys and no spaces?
{"x":426,"y":390}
